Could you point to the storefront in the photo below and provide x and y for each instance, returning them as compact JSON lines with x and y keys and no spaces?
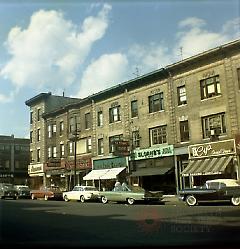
{"x":154,"y":168}
{"x":106,"y":171}
{"x":211,"y":161}
{"x":37,"y":177}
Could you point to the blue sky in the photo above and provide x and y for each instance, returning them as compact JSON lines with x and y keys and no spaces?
{"x":82,"y":47}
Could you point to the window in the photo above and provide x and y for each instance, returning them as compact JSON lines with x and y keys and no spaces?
{"x":31,"y":136}
{"x":71,"y":148}
{"x":54,"y":129}
{"x":49,"y":152}
{"x":49,"y":131}
{"x":114,"y":114}
{"x":215,"y":123}
{"x":100,"y":118}
{"x":238,"y":76}
{"x":62,"y":150}
{"x":87,"y":121}
{"x":89,"y":144}
{"x":135,"y":139}
{"x":158,"y":135}
{"x":134,"y":109}
{"x":38,"y":114}
{"x":54,"y":151}
{"x":71,"y":125}
{"x":38,"y":155}
{"x":184,"y":131}
{"x":31,"y":117}
{"x":7,"y":164}
{"x":210,"y":87}
{"x":38,"y":134}
{"x":156,"y":103}
{"x":111,"y":140}
{"x":17,"y":164}
{"x":182,"y":98}
{"x":100,"y":146}
{"x":61,"y":128}
{"x":31,"y":156}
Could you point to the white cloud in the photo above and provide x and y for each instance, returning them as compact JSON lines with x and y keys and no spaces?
{"x":51,"y":49}
{"x":102,"y":73}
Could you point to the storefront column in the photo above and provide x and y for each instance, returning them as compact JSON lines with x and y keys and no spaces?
{"x":176,"y":173}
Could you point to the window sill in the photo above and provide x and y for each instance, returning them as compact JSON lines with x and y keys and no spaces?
{"x":116,"y":122}
{"x":152,"y":113}
{"x":213,"y":97}
{"x":182,"y":105}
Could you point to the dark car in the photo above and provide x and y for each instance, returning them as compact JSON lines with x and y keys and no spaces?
{"x":213,"y":190}
{"x":23,"y":191}
{"x":47,"y":193}
{"x":7,"y":191}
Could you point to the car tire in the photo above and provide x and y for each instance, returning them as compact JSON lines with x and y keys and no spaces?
{"x":130,"y":201}
{"x":191,"y":200}
{"x":32,"y":196}
{"x":45,"y":197}
{"x":235,"y":201}
{"x":104,"y":199}
{"x":65,"y":198}
{"x":82,"y":199}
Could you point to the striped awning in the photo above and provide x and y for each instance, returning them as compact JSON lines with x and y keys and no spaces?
{"x":208,"y":166}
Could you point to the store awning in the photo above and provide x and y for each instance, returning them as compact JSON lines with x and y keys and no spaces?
{"x":103,"y":174}
{"x":151,"y":171}
{"x":208,"y":166}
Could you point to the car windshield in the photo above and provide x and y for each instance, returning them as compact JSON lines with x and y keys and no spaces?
{"x":22,"y":187}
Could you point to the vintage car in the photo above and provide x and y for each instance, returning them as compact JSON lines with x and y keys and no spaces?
{"x":130,"y":194}
{"x":81,"y":193}
{"x":7,"y":191}
{"x":213,"y":190}
{"x":47,"y":193}
{"x":23,"y":191}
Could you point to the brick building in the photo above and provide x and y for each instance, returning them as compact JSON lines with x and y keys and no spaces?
{"x":165,"y":116}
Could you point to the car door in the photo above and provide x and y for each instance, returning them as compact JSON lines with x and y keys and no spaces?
{"x":74,"y":194}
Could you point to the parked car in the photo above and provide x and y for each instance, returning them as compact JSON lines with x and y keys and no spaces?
{"x":7,"y":191}
{"x":23,"y":191}
{"x":130,"y":194}
{"x":47,"y":193}
{"x":81,"y":193}
{"x":213,"y":190}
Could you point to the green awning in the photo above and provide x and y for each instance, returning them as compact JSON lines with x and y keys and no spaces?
{"x":151,"y":171}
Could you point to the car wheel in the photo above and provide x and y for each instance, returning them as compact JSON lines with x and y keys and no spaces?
{"x":130,"y":201}
{"x":65,"y":198}
{"x":104,"y":199}
{"x":45,"y":197}
{"x":191,"y":200}
{"x":235,"y":201}
{"x":82,"y":199}
{"x":32,"y":196}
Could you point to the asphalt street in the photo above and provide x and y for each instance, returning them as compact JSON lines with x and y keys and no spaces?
{"x":58,"y":223}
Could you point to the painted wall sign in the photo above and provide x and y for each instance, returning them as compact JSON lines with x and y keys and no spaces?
{"x":219,"y":148}
{"x":109,"y":163}
{"x":161,"y":151}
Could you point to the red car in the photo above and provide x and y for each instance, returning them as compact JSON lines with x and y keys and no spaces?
{"x":46,"y":193}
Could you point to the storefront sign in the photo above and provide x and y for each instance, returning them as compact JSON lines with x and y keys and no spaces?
{"x":220,"y":148}
{"x":121,"y":148}
{"x":109,"y":163}
{"x":82,"y":163}
{"x":35,"y":168}
{"x":155,"y":152}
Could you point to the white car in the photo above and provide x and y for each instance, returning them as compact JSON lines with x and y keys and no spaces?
{"x":81,"y":193}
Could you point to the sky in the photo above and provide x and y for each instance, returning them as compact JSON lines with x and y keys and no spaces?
{"x":83,"y":47}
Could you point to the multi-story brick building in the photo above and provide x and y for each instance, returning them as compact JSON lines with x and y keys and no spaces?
{"x":181,"y":122}
{"x":14,"y":160}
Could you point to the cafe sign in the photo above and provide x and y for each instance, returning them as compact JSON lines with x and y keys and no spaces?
{"x":219,"y":148}
{"x":153,"y":152}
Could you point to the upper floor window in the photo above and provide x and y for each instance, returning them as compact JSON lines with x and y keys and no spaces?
{"x":134,"y":108}
{"x":182,"y":97}
{"x":111,"y":141}
{"x":49,"y":131}
{"x":54,"y":151}
{"x":87,"y":121}
{"x":213,"y":125}
{"x":156,"y":102}
{"x":135,"y":139}
{"x":54,"y":129}
{"x":70,"y":148}
{"x":89,"y":144}
{"x":61,"y":128}
{"x":100,"y":118}
{"x":38,"y":114}
{"x":31,"y":136}
{"x":38,"y":134}
{"x":71,"y":124}
{"x":100,"y":146}
{"x":114,"y":114}
{"x":62,"y":150}
{"x":238,"y":76}
{"x":158,"y":135}
{"x":49,"y":152}
{"x":210,"y":87}
{"x":184,"y":131}
{"x":31,"y":117}
{"x":38,"y":155}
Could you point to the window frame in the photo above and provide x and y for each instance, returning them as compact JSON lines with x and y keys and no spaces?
{"x":100,"y":146}
{"x":87,"y":121}
{"x":184,"y":131}
{"x":182,"y":95}
{"x":205,"y":86}
{"x":159,"y":133}
{"x":135,"y":139}
{"x":156,"y":102}
{"x":114,"y":117}
{"x":134,"y":108}
{"x":100,"y":118}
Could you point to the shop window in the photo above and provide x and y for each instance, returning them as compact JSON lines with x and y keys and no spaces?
{"x":210,"y":87}
{"x":134,"y":108}
{"x":158,"y":135}
{"x":100,"y":118}
{"x":182,"y":97}
{"x":135,"y":139}
{"x":184,"y":131}
{"x":114,"y":114}
{"x":156,"y":103}
{"x":100,"y":146}
{"x":213,"y":125}
{"x":111,"y":142}
{"x":87,"y":121}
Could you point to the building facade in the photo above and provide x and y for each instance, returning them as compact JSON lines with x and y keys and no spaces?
{"x":14,"y":160}
{"x":161,"y":115}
